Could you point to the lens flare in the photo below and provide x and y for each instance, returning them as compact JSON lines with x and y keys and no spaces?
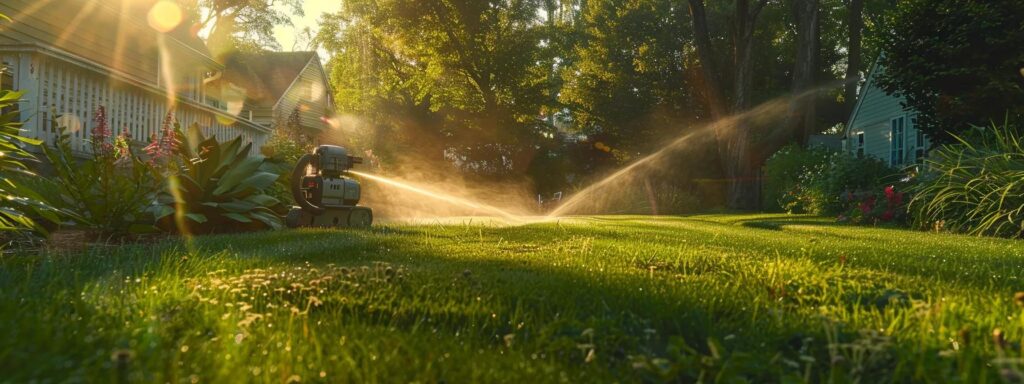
{"x":165,"y":16}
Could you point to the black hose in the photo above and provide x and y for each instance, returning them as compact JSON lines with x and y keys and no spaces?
{"x":297,"y":194}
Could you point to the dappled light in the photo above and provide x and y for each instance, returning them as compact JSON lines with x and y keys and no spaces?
{"x":511,"y":191}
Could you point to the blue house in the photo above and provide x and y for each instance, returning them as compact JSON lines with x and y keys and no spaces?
{"x":881,"y":127}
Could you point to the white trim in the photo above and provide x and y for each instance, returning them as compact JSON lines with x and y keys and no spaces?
{"x":868,"y":83}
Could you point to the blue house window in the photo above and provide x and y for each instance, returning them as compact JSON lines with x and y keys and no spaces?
{"x":860,"y":145}
{"x":896,"y":141}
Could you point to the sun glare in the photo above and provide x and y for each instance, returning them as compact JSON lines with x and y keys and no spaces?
{"x":165,"y":16}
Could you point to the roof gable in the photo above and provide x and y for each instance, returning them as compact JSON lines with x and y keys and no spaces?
{"x":869,"y":83}
{"x":266,"y":76}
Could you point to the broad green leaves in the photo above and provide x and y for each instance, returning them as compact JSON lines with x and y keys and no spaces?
{"x":219,"y":188}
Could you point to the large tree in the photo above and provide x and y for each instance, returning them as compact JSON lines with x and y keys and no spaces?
{"x":736,"y":151}
{"x":476,"y":64}
{"x":969,"y":72}
{"x":627,"y":83}
{"x":242,"y":24}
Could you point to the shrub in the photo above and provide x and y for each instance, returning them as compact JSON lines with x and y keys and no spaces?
{"x":975,"y":185}
{"x":19,"y":203}
{"x":108,"y":190}
{"x":820,"y":181}
{"x":216,"y":187}
{"x":872,"y":207}
{"x":287,"y":144}
{"x":824,"y":188}
{"x":783,"y":171}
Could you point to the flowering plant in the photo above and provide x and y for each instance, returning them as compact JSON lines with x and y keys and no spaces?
{"x":108,"y":190}
{"x":870,"y":207}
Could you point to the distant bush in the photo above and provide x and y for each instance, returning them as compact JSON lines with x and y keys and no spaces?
{"x":783,"y":171}
{"x":287,"y":144}
{"x":823,"y":189}
{"x":975,"y":185}
{"x":820,"y":181}
{"x":876,"y":207}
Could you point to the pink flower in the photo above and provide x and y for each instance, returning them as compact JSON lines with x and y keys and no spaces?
{"x":164,"y":144}
{"x":101,"y":133}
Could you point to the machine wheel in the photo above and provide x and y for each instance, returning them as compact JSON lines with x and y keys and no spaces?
{"x":360,"y":217}
{"x":293,"y":218}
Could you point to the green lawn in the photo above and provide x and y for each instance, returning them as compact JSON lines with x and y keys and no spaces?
{"x":623,"y":298}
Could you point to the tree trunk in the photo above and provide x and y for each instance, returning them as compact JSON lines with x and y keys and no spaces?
{"x":705,"y":54}
{"x":802,"y":118}
{"x":734,"y":139}
{"x":855,"y":23}
{"x":743,"y":168}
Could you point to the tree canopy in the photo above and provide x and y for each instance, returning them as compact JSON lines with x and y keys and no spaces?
{"x":957,"y":63}
{"x":501,"y":86}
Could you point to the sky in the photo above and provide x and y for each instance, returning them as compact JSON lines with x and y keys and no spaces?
{"x":286,"y":35}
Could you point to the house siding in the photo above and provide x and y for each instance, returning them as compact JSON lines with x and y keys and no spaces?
{"x":311,"y":95}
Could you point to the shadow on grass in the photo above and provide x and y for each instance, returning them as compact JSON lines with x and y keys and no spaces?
{"x":559,"y":300}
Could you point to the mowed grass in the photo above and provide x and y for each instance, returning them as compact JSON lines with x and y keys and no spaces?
{"x":763,"y":298}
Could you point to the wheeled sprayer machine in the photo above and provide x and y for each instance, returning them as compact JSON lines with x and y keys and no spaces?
{"x":327,"y":198}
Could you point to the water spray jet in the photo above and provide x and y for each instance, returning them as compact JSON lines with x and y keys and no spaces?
{"x":768,"y":111}
{"x":446,"y":197}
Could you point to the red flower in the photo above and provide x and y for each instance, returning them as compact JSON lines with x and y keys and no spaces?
{"x":889,"y":192}
{"x":887,"y":215}
{"x":898,"y":199}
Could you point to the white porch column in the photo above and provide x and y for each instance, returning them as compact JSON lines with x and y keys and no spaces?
{"x":26,"y":79}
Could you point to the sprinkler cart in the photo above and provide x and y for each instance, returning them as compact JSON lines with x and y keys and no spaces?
{"x":325,"y":197}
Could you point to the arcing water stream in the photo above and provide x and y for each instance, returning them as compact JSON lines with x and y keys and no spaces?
{"x":771,"y":112}
{"x":445,"y":197}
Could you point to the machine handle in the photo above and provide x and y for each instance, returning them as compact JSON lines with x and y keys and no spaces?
{"x":297,"y":174}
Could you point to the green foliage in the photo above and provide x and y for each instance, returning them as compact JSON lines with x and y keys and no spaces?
{"x":975,"y":185}
{"x":242,"y":24}
{"x":217,"y":187}
{"x":19,"y":202}
{"x":957,"y":62}
{"x":824,"y":187}
{"x":107,"y":191}
{"x":627,"y":82}
{"x":457,"y":78}
{"x":783,"y":171}
{"x":876,"y":207}
{"x":286,"y":145}
{"x":722,"y":298}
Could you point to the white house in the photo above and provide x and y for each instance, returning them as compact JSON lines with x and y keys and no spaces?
{"x":881,"y":127}
{"x":72,"y":56}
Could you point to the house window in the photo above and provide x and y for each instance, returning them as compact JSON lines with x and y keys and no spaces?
{"x":860,"y":145}
{"x":896,"y":140}
{"x":6,"y":75}
{"x":919,"y":142}
{"x":7,"y":83}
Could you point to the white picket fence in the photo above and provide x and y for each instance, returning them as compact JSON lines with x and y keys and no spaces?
{"x":68,"y":93}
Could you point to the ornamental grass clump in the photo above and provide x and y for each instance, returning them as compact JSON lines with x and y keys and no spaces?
{"x":974,"y":185}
